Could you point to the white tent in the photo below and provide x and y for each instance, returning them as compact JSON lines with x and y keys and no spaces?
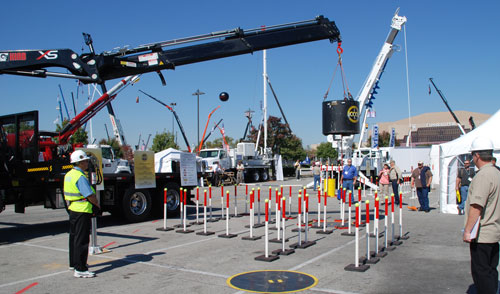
{"x":448,"y":162}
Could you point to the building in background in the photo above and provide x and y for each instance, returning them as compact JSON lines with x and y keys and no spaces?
{"x":432,"y":128}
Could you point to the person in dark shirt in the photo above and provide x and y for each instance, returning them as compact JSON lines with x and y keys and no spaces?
{"x":464,"y":177}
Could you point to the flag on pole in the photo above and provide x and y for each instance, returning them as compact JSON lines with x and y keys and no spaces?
{"x":375,"y":136}
{"x":137,"y":99}
{"x":393,"y":138}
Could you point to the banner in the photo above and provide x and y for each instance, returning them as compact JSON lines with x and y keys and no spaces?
{"x":375,"y":136}
{"x":393,"y":138}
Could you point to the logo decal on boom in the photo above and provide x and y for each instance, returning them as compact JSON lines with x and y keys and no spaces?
{"x":49,"y":54}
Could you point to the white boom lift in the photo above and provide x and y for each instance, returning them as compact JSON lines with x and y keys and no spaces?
{"x":370,"y":84}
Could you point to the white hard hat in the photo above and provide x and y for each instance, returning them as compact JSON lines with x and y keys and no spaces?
{"x":78,"y":156}
{"x":481,"y":143}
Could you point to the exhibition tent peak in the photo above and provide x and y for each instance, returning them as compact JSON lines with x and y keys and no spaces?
{"x":461,"y":145}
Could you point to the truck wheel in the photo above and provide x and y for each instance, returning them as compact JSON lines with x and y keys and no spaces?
{"x":173,"y":199}
{"x":264,"y":176}
{"x":255,"y":176}
{"x":136,"y":205}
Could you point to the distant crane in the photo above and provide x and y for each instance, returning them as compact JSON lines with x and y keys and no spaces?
{"x":447,"y":106}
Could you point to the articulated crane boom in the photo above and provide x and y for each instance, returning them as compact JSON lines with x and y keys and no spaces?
{"x":93,"y":68}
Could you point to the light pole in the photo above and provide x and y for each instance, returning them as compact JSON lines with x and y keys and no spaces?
{"x":197,"y":94}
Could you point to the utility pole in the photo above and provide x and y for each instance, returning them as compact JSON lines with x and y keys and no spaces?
{"x":197,"y":94}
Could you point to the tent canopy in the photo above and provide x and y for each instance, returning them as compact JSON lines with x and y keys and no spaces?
{"x":462,"y":144}
{"x":448,"y":163}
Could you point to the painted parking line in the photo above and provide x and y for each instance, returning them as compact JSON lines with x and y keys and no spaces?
{"x":165,"y":266}
{"x":32,"y":279}
{"x":27,"y":288}
{"x":190,"y":243}
{"x":44,"y":247}
{"x":109,"y":244}
{"x":297,"y":267}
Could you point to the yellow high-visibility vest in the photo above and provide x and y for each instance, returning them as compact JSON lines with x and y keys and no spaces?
{"x":72,"y":194}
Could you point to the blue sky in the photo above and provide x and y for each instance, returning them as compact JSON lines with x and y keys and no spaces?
{"x":455,"y":42}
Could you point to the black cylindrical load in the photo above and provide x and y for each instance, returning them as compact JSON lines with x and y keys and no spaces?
{"x":340,"y":117}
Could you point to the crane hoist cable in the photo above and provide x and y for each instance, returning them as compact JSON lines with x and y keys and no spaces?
{"x":345,"y":86}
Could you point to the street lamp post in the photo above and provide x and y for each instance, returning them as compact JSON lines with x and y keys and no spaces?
{"x":197,"y":94}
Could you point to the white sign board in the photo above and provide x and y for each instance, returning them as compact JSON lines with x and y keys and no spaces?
{"x":188,"y":169}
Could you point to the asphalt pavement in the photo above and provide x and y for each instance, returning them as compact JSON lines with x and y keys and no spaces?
{"x":141,"y":259}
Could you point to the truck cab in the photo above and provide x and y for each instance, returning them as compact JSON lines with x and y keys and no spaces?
{"x":210,"y":156}
{"x":110,"y":163}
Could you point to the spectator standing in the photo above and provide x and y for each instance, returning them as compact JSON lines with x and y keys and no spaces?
{"x":348,"y":178}
{"x":383,"y":180}
{"x":464,"y":177}
{"x":395,"y":178}
{"x":297,"y":169}
{"x":240,"y":171}
{"x":217,"y":174}
{"x":421,"y":178}
{"x":317,"y":175}
{"x":482,"y":220}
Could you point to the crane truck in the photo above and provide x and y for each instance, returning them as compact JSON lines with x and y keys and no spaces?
{"x":33,"y":162}
{"x":370,"y":161}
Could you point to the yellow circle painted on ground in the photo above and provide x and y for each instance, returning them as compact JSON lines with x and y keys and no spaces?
{"x":272,"y":281}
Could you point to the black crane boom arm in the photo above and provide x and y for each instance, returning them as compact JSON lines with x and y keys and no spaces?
{"x":90,"y":68}
{"x":447,"y":106}
{"x":175,"y":115}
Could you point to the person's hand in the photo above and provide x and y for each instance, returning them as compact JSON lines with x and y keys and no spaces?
{"x":466,"y":237}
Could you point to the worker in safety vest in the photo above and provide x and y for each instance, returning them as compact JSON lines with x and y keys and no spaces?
{"x":81,"y":196}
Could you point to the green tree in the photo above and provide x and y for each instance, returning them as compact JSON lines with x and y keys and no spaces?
{"x":218,"y":143}
{"x":80,"y":136}
{"x":162,"y":141}
{"x":279,"y":139}
{"x":114,"y":145}
{"x":325,"y":150}
{"x":384,"y":138}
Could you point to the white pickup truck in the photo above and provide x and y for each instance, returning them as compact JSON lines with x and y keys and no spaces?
{"x":256,"y":166}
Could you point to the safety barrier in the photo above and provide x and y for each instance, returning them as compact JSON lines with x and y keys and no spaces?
{"x":373,"y":251}
{"x":164,"y":228}
{"x":205,"y":232}
{"x":356,"y":266}
{"x":266,"y":257}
